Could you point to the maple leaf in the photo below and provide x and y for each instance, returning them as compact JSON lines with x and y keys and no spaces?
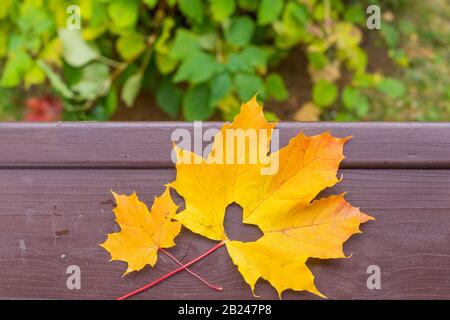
{"x":294,"y":226}
{"x":142,"y":232}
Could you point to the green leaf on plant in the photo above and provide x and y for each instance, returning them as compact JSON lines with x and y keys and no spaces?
{"x":34,"y":21}
{"x":197,"y":103}
{"x":356,"y":59}
{"x":150,"y":3}
{"x":111,"y":102}
{"x":270,"y":116}
{"x":131,"y":89}
{"x":55,"y":80}
{"x":295,"y":15}
{"x":130,"y":45}
{"x":124,"y":13}
{"x":407,"y":26}
{"x":185,"y":44}
{"x":93,"y":81}
{"x":16,"y":67}
{"x":208,"y":41}
{"x":162,"y":41}
{"x":343,"y":116}
{"x":220,"y":87}
{"x":292,"y":30}
{"x":354,"y":100}
{"x":3,"y":43}
{"x":354,"y":13}
{"x":240,"y":31}
{"x":250,"y":59}
{"x":5,"y":7}
{"x":165,"y":63}
{"x":348,"y":36}
{"x":222,"y":9}
{"x":192,"y":9}
{"x":96,"y":13}
{"x":247,"y":85}
{"x":365,"y":80}
{"x":318,"y":60}
{"x":76,"y":51}
{"x":34,"y":76}
{"x":269,"y":11}
{"x":275,"y":87}
{"x":168,"y":97}
{"x":324,"y":93}
{"x":392,"y":87}
{"x":197,"y":67}
{"x":390,"y":34}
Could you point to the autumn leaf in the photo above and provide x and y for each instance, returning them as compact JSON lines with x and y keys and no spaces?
{"x":295,"y":227}
{"x":142,"y":232}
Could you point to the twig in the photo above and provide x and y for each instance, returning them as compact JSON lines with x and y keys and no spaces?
{"x":151,"y":284}
{"x":108,"y":61}
{"x":193,"y":273}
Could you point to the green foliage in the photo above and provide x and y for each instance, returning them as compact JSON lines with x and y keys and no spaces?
{"x":324,"y":93}
{"x":197,"y":103}
{"x":240,"y":31}
{"x":269,"y":10}
{"x":221,"y":10}
{"x":247,"y":85}
{"x":416,"y":36}
{"x":275,"y":87}
{"x":221,"y":86}
{"x":75,"y":51}
{"x":355,"y":101}
{"x":169,"y":97}
{"x":198,"y":56}
{"x":392,"y":87}
{"x":131,"y":88}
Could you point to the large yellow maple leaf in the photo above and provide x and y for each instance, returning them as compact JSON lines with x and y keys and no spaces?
{"x":281,"y":203}
{"x":142,"y":232}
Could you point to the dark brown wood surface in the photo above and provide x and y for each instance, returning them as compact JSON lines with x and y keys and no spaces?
{"x":55,"y":208}
{"x":148,"y":145}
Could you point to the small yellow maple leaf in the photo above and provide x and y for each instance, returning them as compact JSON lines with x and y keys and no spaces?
{"x":281,"y":204}
{"x":142,"y":232}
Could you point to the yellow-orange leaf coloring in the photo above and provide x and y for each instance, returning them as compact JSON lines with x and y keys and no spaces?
{"x":142,"y":232}
{"x":281,"y":203}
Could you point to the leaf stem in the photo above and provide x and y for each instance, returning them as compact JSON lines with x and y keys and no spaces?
{"x":108,"y":61}
{"x":151,"y":284}
{"x":193,"y":273}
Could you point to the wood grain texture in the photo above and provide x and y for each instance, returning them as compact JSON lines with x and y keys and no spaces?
{"x":53,"y":218}
{"x":148,"y":145}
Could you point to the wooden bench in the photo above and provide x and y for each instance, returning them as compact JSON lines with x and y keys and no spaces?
{"x":55,"y":208}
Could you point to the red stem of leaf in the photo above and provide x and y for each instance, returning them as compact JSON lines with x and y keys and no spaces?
{"x":151,"y":284}
{"x":191,"y":272}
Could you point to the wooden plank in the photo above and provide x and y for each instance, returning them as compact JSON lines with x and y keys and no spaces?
{"x":52,"y":218}
{"x":148,"y":145}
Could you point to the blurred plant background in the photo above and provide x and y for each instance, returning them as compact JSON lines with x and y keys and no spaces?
{"x":308,"y":60}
